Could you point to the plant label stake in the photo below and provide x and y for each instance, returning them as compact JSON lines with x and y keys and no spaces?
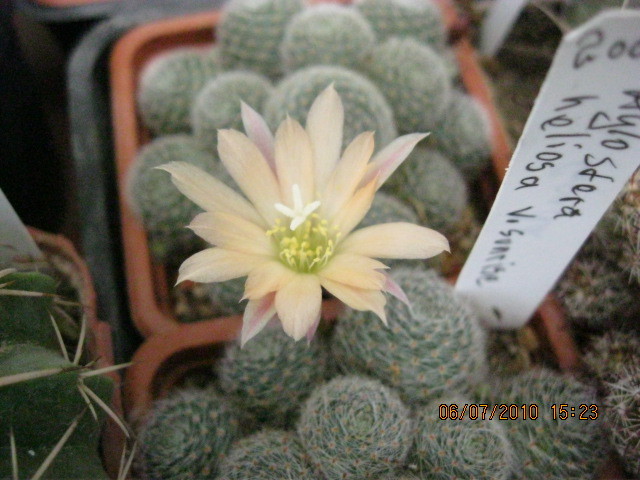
{"x":579,"y":147}
{"x":15,"y":240}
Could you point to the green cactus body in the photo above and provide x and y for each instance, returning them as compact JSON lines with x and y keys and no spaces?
{"x":186,"y":435}
{"x":225,"y":296}
{"x":551,"y":448}
{"x":326,"y":34}
{"x":355,"y":428}
{"x":463,"y":134}
{"x":168,"y":86}
{"x":266,"y":455}
{"x":218,"y":104}
{"x":365,"y":108}
{"x":250,"y":33}
{"x":420,"y":19}
{"x":629,"y":207}
{"x":434,"y":346}
{"x":434,"y":186}
{"x":271,"y":376}
{"x":608,"y":355}
{"x":415,"y":81}
{"x":163,"y":209}
{"x":473,"y":449}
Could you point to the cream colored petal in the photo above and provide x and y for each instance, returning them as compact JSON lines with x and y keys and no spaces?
{"x":352,"y":213}
{"x":395,"y":240}
{"x":232,"y":233}
{"x":294,"y":161}
{"x":348,"y":173}
{"x":208,"y":192}
{"x":267,"y":278}
{"x":358,"y":298}
{"x":396,"y":290}
{"x":324,"y":125}
{"x":298,"y":304}
{"x":355,"y":270}
{"x":217,"y":265}
{"x":259,"y":133}
{"x":251,"y":172}
{"x":257,"y":315}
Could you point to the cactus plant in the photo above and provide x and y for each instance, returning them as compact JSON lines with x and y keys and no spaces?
{"x":168,"y":86}
{"x":434,"y":186}
{"x":435,"y":345}
{"x":419,"y":19}
{"x":186,"y":436}
{"x":461,"y":447}
{"x":355,"y":428}
{"x":217,"y":105}
{"x":225,"y":296}
{"x":415,"y":81}
{"x":629,"y":208}
{"x":270,"y":379}
{"x":326,"y":34}
{"x":608,"y":355}
{"x":250,"y":31}
{"x":365,"y":108}
{"x":266,"y":455}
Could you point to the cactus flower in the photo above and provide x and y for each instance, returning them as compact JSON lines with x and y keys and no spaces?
{"x":293,"y":232}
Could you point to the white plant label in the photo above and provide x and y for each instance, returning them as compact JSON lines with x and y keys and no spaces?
{"x":498,"y":23}
{"x":580,"y":145}
{"x":14,"y":238}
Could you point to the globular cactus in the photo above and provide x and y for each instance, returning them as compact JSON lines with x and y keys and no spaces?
{"x":415,"y":81}
{"x":164,"y":211}
{"x":419,"y":19}
{"x":168,"y":86}
{"x":434,"y":186}
{"x":365,"y":108}
{"x":628,"y":206}
{"x":463,"y":134}
{"x":218,"y":104}
{"x":270,"y":377}
{"x":225,"y":296}
{"x":266,"y":455}
{"x":326,"y":34}
{"x":250,"y":32}
{"x":608,"y":355}
{"x":355,"y":428}
{"x":461,"y":447}
{"x":433,"y":346}
{"x":186,"y":435}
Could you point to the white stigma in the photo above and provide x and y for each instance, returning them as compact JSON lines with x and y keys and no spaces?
{"x":299,"y":213}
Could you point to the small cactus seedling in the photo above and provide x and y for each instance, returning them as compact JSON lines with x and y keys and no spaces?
{"x":168,"y":86}
{"x":186,"y":435}
{"x":355,"y":428}
{"x":266,"y":455}
{"x":326,"y":34}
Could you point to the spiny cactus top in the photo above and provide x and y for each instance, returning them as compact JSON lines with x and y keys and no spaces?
{"x":609,"y":354}
{"x":355,"y":428}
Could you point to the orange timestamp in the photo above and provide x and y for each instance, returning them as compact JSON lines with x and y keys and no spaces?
{"x":506,"y":411}
{"x":584,"y":411}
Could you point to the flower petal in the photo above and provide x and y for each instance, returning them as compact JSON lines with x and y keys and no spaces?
{"x":208,"y":192}
{"x":358,"y":298}
{"x":396,"y":290}
{"x":217,"y":265}
{"x":354,"y":270}
{"x":348,"y":173}
{"x":298,"y":304}
{"x":232,"y":233}
{"x":352,"y":213}
{"x":251,"y":172}
{"x":385,"y":162}
{"x":267,"y":278}
{"x":257,"y":130}
{"x":257,"y":315}
{"x":312,"y":329}
{"x":294,"y":161}
{"x":395,"y":240}
{"x":324,"y":125}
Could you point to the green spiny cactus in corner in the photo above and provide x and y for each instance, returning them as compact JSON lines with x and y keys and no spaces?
{"x":433,"y":346}
{"x":629,"y":207}
{"x":460,"y":448}
{"x":218,"y":104}
{"x":415,"y":81}
{"x":271,"y":376}
{"x":266,"y":455}
{"x":355,"y":428}
{"x":608,"y":355}
{"x":186,"y":435}
{"x":168,"y":86}
{"x":420,"y":19}
{"x":326,"y":34}
{"x":434,"y":186}
{"x":365,"y":108}
{"x":250,"y":32}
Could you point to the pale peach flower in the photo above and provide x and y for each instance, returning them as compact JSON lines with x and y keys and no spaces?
{"x":292,"y":233}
